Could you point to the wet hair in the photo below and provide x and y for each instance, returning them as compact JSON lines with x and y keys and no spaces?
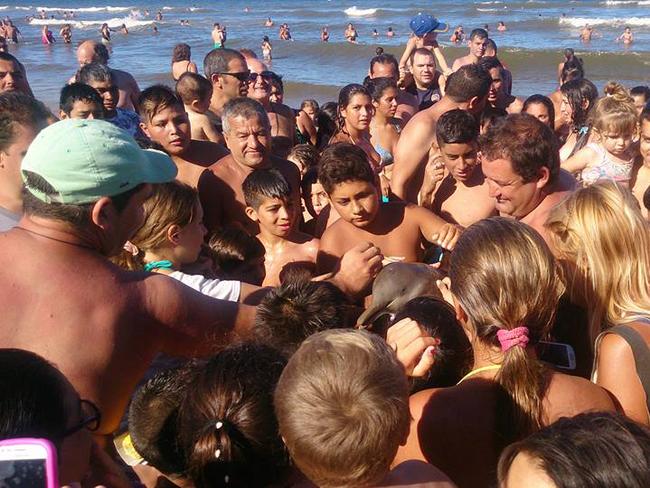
{"x":326,"y":123}
{"x":345,"y":97}
{"x":490,"y":44}
{"x":490,"y":62}
{"x":263,"y":184}
{"x":468,"y":82}
{"x":526,"y":142}
{"x":33,"y":396}
{"x":646,"y":198}
{"x":577,"y":92}
{"x":232,"y":248}
{"x":78,"y":216}
{"x":78,"y":92}
{"x":590,"y":450}
{"x":342,"y":407}
{"x":456,"y":127}
{"x":182,"y":52}
{"x":298,"y":308}
{"x":20,"y":110}
{"x":377,"y":86}
{"x":309,"y":103}
{"x":309,"y":178}
{"x":384,"y":58}
{"x":172,"y":203}
{"x":306,"y":154}
{"x":538,"y":99}
{"x":490,"y":115}
{"x":156,"y":98}
{"x":217,"y":61}
{"x":480,"y":33}
{"x":615,"y":111}
{"x":569,"y":53}
{"x":343,"y":162}
{"x":227,"y":427}
{"x":94,"y":72}
{"x":243,"y":107}
{"x":192,"y":86}
{"x":153,"y":417}
{"x":642,"y":90}
{"x":453,"y":354}
{"x":572,"y":70}
{"x":276,"y":80}
{"x":504,"y":276}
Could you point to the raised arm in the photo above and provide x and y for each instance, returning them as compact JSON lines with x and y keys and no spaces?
{"x":410,"y":47}
{"x":440,"y":58}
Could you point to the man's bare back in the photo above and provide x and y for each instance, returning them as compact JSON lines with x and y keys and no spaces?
{"x":202,"y":127}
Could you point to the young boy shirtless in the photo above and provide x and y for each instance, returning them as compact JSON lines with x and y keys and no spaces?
{"x":457,"y":188}
{"x":196,"y":92}
{"x":269,"y":203}
{"x":396,"y":228}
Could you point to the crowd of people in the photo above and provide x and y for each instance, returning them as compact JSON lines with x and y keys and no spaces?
{"x":185,"y":270}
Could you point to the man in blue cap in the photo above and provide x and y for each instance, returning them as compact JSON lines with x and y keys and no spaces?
{"x":425,"y":29}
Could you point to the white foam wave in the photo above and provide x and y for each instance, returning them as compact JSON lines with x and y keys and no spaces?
{"x":644,"y":2}
{"x":489,"y":9}
{"x":490,"y":2}
{"x":621,"y":2}
{"x":360,"y":12}
{"x":582,"y":21}
{"x":85,"y":9}
{"x":113,"y":23}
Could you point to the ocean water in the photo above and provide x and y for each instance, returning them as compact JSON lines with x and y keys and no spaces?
{"x":537,"y":33}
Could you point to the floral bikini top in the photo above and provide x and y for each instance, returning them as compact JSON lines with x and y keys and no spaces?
{"x":606,"y":168}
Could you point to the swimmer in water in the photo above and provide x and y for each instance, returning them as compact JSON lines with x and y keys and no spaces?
{"x":458,"y":36}
{"x":501,"y":27}
{"x":268,"y":23}
{"x":351,"y":34}
{"x":390,"y":32}
{"x":266,"y":48}
{"x":46,"y":36}
{"x":218,"y":37}
{"x":627,"y":37}
{"x":587,"y":33}
{"x":66,"y":33}
{"x":324,"y":35}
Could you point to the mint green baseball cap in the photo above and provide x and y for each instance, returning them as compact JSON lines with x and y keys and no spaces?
{"x":85,"y":160}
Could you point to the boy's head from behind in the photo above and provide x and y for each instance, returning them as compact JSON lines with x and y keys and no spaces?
{"x":80,"y":101}
{"x":238,"y":255}
{"x":268,"y":201}
{"x":297,"y":309}
{"x":457,"y":136}
{"x":350,"y":182}
{"x":342,"y":408}
{"x":195,"y":91}
{"x":304,"y":156}
{"x":453,"y":354}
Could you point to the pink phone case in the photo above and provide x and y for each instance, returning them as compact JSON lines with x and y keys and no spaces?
{"x":51,"y":470}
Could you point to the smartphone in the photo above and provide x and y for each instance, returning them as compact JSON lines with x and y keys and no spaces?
{"x":558,"y":354}
{"x":28,"y":462}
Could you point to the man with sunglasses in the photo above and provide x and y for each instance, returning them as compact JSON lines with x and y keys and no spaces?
{"x":281,"y":117}
{"x":227,"y":71}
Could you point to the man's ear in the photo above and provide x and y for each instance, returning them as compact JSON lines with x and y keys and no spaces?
{"x":215,"y":79}
{"x":63,"y":115}
{"x":252,"y":214}
{"x":544,"y":174}
{"x":173,"y":234}
{"x":103,"y":213}
{"x":144,"y":128}
{"x":461,"y":316}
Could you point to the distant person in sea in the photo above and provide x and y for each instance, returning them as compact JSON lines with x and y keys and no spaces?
{"x":105,"y":32}
{"x":11,"y":32}
{"x":181,"y":61}
{"x":390,"y":32}
{"x":351,"y":34}
{"x":375,"y":34}
{"x":587,"y":33}
{"x":569,"y":57}
{"x":267,"y":48}
{"x":268,"y":23}
{"x":285,"y":33}
{"x":626,"y":37}
{"x":66,"y":34}
{"x":425,"y":32}
{"x":123,"y":29}
{"x":218,"y":38}
{"x":501,"y":27}
{"x":477,"y":42}
{"x":46,"y":36}
{"x":324,"y":35}
{"x":159,"y":16}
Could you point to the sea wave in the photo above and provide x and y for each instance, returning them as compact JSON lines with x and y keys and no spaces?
{"x":582,"y":21}
{"x":621,"y":2}
{"x":360,"y":12}
{"x":85,"y":9}
{"x":113,"y":23}
{"x":491,"y":9}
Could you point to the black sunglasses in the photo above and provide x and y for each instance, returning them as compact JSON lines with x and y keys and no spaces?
{"x":241,"y":75}
{"x":266,"y":75}
{"x":91,"y":418}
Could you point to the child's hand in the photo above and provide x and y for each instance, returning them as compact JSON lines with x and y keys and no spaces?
{"x":385,"y":186}
{"x":358,"y":268}
{"x":414,"y":348}
{"x":447,"y":236}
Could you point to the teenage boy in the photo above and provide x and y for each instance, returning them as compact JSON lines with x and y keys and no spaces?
{"x":270,"y":204}
{"x":456,"y":177}
{"x":396,"y":228}
{"x":80,"y":101}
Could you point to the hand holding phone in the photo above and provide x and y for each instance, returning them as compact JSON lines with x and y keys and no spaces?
{"x":28,"y":462}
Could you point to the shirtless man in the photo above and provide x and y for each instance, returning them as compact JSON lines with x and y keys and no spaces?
{"x":269,"y":204}
{"x":247,"y":131}
{"x":386,"y":66}
{"x":521,"y":164}
{"x":217,"y":37}
{"x":282,"y":118}
{"x":21,"y":118}
{"x":95,"y":52}
{"x":461,"y":194}
{"x":466,"y":89}
{"x":13,"y":76}
{"x":165,"y":122}
{"x":227,"y":71}
{"x":626,"y":37}
{"x":586,"y":33}
{"x":397,"y":228}
{"x":477,"y":42}
{"x":498,"y":96}
{"x":81,"y":316}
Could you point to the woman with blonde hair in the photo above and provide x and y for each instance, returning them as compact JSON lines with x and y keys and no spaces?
{"x":603,"y":242}
{"x":505,"y":287}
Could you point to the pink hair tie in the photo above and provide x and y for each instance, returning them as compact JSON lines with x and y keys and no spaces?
{"x":511,"y":338}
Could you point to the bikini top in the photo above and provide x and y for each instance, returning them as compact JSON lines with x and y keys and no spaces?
{"x":606,"y":168}
{"x":385,"y":155}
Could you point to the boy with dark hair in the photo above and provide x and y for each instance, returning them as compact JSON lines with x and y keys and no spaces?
{"x":237,"y":255}
{"x":477,"y":43}
{"x":314,"y":198}
{"x":499,"y":96}
{"x":195,"y":91}
{"x":164,"y":121}
{"x":80,"y":101}
{"x":269,"y":203}
{"x":456,"y":177}
{"x":396,"y":228}
{"x":641,"y":95}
